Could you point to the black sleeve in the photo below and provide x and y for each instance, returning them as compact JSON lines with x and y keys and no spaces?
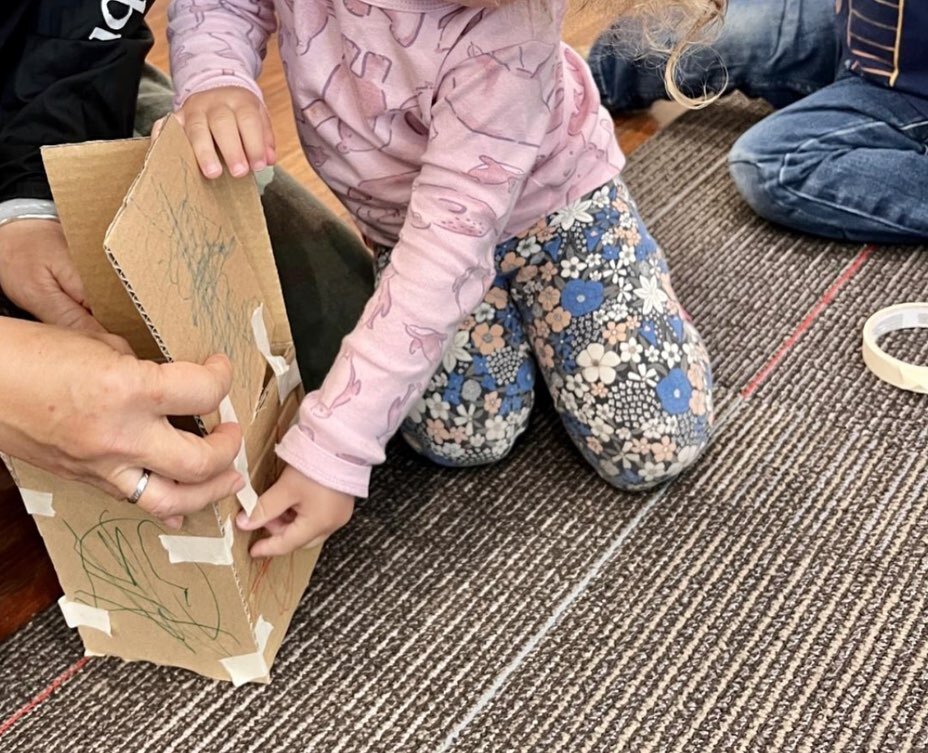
{"x":69,"y":72}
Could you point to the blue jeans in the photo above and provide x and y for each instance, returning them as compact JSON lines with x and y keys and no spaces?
{"x":844,"y":158}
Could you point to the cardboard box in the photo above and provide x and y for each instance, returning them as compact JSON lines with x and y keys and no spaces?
{"x":182,"y":268}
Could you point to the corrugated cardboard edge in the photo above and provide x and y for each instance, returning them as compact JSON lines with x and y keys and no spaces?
{"x":166,"y":352}
{"x":118,"y":162}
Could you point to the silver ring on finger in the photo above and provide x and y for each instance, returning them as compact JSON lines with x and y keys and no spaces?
{"x":140,"y":487}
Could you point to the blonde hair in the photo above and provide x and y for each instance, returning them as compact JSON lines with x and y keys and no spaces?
{"x":671,"y":27}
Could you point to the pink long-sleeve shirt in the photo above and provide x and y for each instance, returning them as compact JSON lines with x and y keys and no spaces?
{"x":444,"y":130}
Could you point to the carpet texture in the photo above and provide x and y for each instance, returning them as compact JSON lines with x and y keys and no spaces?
{"x":773,"y":599}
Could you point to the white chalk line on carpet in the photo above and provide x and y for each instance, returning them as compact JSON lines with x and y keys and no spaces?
{"x":574,"y":595}
{"x":742,"y":397}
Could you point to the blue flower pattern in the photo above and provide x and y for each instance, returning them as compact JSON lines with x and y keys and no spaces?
{"x":585,"y":297}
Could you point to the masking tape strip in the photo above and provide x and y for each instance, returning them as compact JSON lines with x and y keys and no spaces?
{"x":249,"y":667}
{"x":38,"y":503}
{"x":207,"y":550}
{"x":906,"y":376}
{"x":248,"y":497}
{"x":288,"y":374}
{"x":84,"y":615}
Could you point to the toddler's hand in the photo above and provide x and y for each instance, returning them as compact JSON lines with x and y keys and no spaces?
{"x":297,"y":512}
{"x":233,"y":119}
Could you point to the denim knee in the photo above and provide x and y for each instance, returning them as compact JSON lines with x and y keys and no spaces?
{"x":755,"y":170}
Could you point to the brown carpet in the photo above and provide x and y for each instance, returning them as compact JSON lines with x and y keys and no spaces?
{"x":772,"y":600}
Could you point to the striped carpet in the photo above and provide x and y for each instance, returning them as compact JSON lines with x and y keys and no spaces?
{"x":772,"y":600}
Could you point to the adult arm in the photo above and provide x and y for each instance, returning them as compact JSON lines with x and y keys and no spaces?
{"x":69,"y":72}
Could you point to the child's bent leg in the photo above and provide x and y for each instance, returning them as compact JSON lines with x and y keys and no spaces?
{"x":629,"y":375}
{"x":478,"y":402}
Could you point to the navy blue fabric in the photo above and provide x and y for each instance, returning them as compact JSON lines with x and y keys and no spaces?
{"x":886,"y":41}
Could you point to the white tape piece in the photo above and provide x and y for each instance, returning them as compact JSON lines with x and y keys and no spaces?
{"x":288,"y":374}
{"x":207,"y":550}
{"x":905,"y":376}
{"x":84,"y":615}
{"x":247,"y":497}
{"x":249,"y":667}
{"x":38,"y":503}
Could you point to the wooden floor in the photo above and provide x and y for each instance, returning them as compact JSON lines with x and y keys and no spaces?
{"x":27,"y":581}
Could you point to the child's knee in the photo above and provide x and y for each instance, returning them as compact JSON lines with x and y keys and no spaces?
{"x":470,"y":443}
{"x":657,"y":465}
{"x":640,"y":440}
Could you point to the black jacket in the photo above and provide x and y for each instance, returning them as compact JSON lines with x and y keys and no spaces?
{"x":69,"y":72}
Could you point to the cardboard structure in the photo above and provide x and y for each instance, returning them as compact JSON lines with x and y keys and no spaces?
{"x":182,"y":268}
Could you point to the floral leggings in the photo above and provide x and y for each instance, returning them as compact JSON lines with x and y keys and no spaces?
{"x":585,"y":297}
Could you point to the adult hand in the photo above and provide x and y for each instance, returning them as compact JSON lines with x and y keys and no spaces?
{"x":233,"y":121}
{"x":83,"y":407}
{"x":38,"y":275}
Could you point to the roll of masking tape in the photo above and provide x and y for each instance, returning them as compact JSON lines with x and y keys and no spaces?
{"x":906,"y":376}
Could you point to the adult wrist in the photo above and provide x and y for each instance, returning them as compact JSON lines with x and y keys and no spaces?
{"x":27,"y":209}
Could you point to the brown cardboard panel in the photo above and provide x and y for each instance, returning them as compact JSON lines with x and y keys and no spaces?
{"x":186,"y":269}
{"x":108,"y":555}
{"x":193,"y":260}
{"x":89,"y":182}
{"x":243,"y":206}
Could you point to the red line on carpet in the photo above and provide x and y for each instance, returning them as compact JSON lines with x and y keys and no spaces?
{"x":44,"y":695}
{"x":796,"y":335}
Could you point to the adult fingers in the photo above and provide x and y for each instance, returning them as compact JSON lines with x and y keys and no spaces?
{"x":157,"y":126}
{"x":167,"y":499}
{"x":60,"y":309}
{"x":224,"y":128}
{"x":65,"y":272}
{"x":71,"y":310}
{"x":188,"y":458}
{"x":175,"y":521}
{"x":201,"y":139}
{"x":188,"y":389}
{"x":116,"y":342}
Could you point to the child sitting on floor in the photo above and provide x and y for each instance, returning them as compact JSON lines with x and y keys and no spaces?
{"x":470,"y":146}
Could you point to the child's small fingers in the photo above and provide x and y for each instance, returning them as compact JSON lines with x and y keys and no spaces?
{"x":319,"y":541}
{"x":274,"y":503}
{"x":224,"y":128}
{"x":292,"y":537}
{"x":201,"y":139}
{"x":278,"y":524}
{"x":157,"y":126}
{"x":270,"y":142}
{"x":251,"y":128}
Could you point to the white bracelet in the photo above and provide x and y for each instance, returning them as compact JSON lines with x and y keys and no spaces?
{"x":8,"y":220}
{"x":906,"y":376}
